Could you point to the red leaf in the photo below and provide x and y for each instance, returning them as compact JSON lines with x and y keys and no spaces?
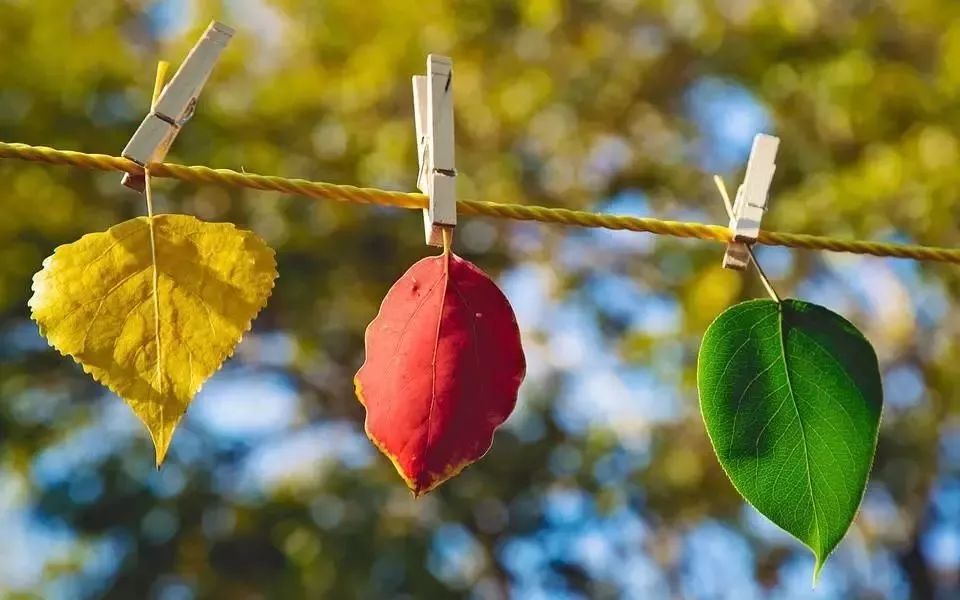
{"x":443,"y":366}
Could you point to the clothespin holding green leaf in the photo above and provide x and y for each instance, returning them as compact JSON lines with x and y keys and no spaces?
{"x":751,"y":201}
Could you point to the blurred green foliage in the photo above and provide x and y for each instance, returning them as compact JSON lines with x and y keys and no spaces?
{"x":557,"y":103}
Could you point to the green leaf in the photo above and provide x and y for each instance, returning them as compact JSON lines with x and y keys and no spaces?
{"x":791,"y":396}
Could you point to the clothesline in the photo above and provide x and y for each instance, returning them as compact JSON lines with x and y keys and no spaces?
{"x":520,"y":212}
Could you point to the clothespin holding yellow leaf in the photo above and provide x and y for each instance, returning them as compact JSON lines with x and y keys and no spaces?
{"x":175,"y":104}
{"x":153,"y":306}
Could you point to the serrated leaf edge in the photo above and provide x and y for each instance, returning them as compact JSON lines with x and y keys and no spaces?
{"x":246,"y":329}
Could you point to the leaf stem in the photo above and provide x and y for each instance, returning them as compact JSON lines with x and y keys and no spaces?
{"x":162,"y":68}
{"x":763,"y":276}
{"x":447,"y":239}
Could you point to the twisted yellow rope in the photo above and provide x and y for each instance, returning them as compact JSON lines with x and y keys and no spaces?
{"x":349,"y":193}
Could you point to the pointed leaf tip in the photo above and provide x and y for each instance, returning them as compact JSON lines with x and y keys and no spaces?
{"x":443,"y":366}
{"x":791,"y":398}
{"x":161,"y":442}
{"x":94,"y":300}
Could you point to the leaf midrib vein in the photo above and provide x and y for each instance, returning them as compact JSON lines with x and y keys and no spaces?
{"x":433,"y":366}
{"x":803,"y":435}
{"x":156,"y":302}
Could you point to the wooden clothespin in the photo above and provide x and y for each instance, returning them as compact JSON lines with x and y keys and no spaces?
{"x":176,"y":104}
{"x":433,"y":114}
{"x":751,"y":201}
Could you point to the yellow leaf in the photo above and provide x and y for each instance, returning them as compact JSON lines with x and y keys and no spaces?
{"x":95,"y":300}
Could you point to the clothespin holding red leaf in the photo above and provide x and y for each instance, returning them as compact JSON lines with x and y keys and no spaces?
{"x":443,"y":356}
{"x":433,"y":116}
